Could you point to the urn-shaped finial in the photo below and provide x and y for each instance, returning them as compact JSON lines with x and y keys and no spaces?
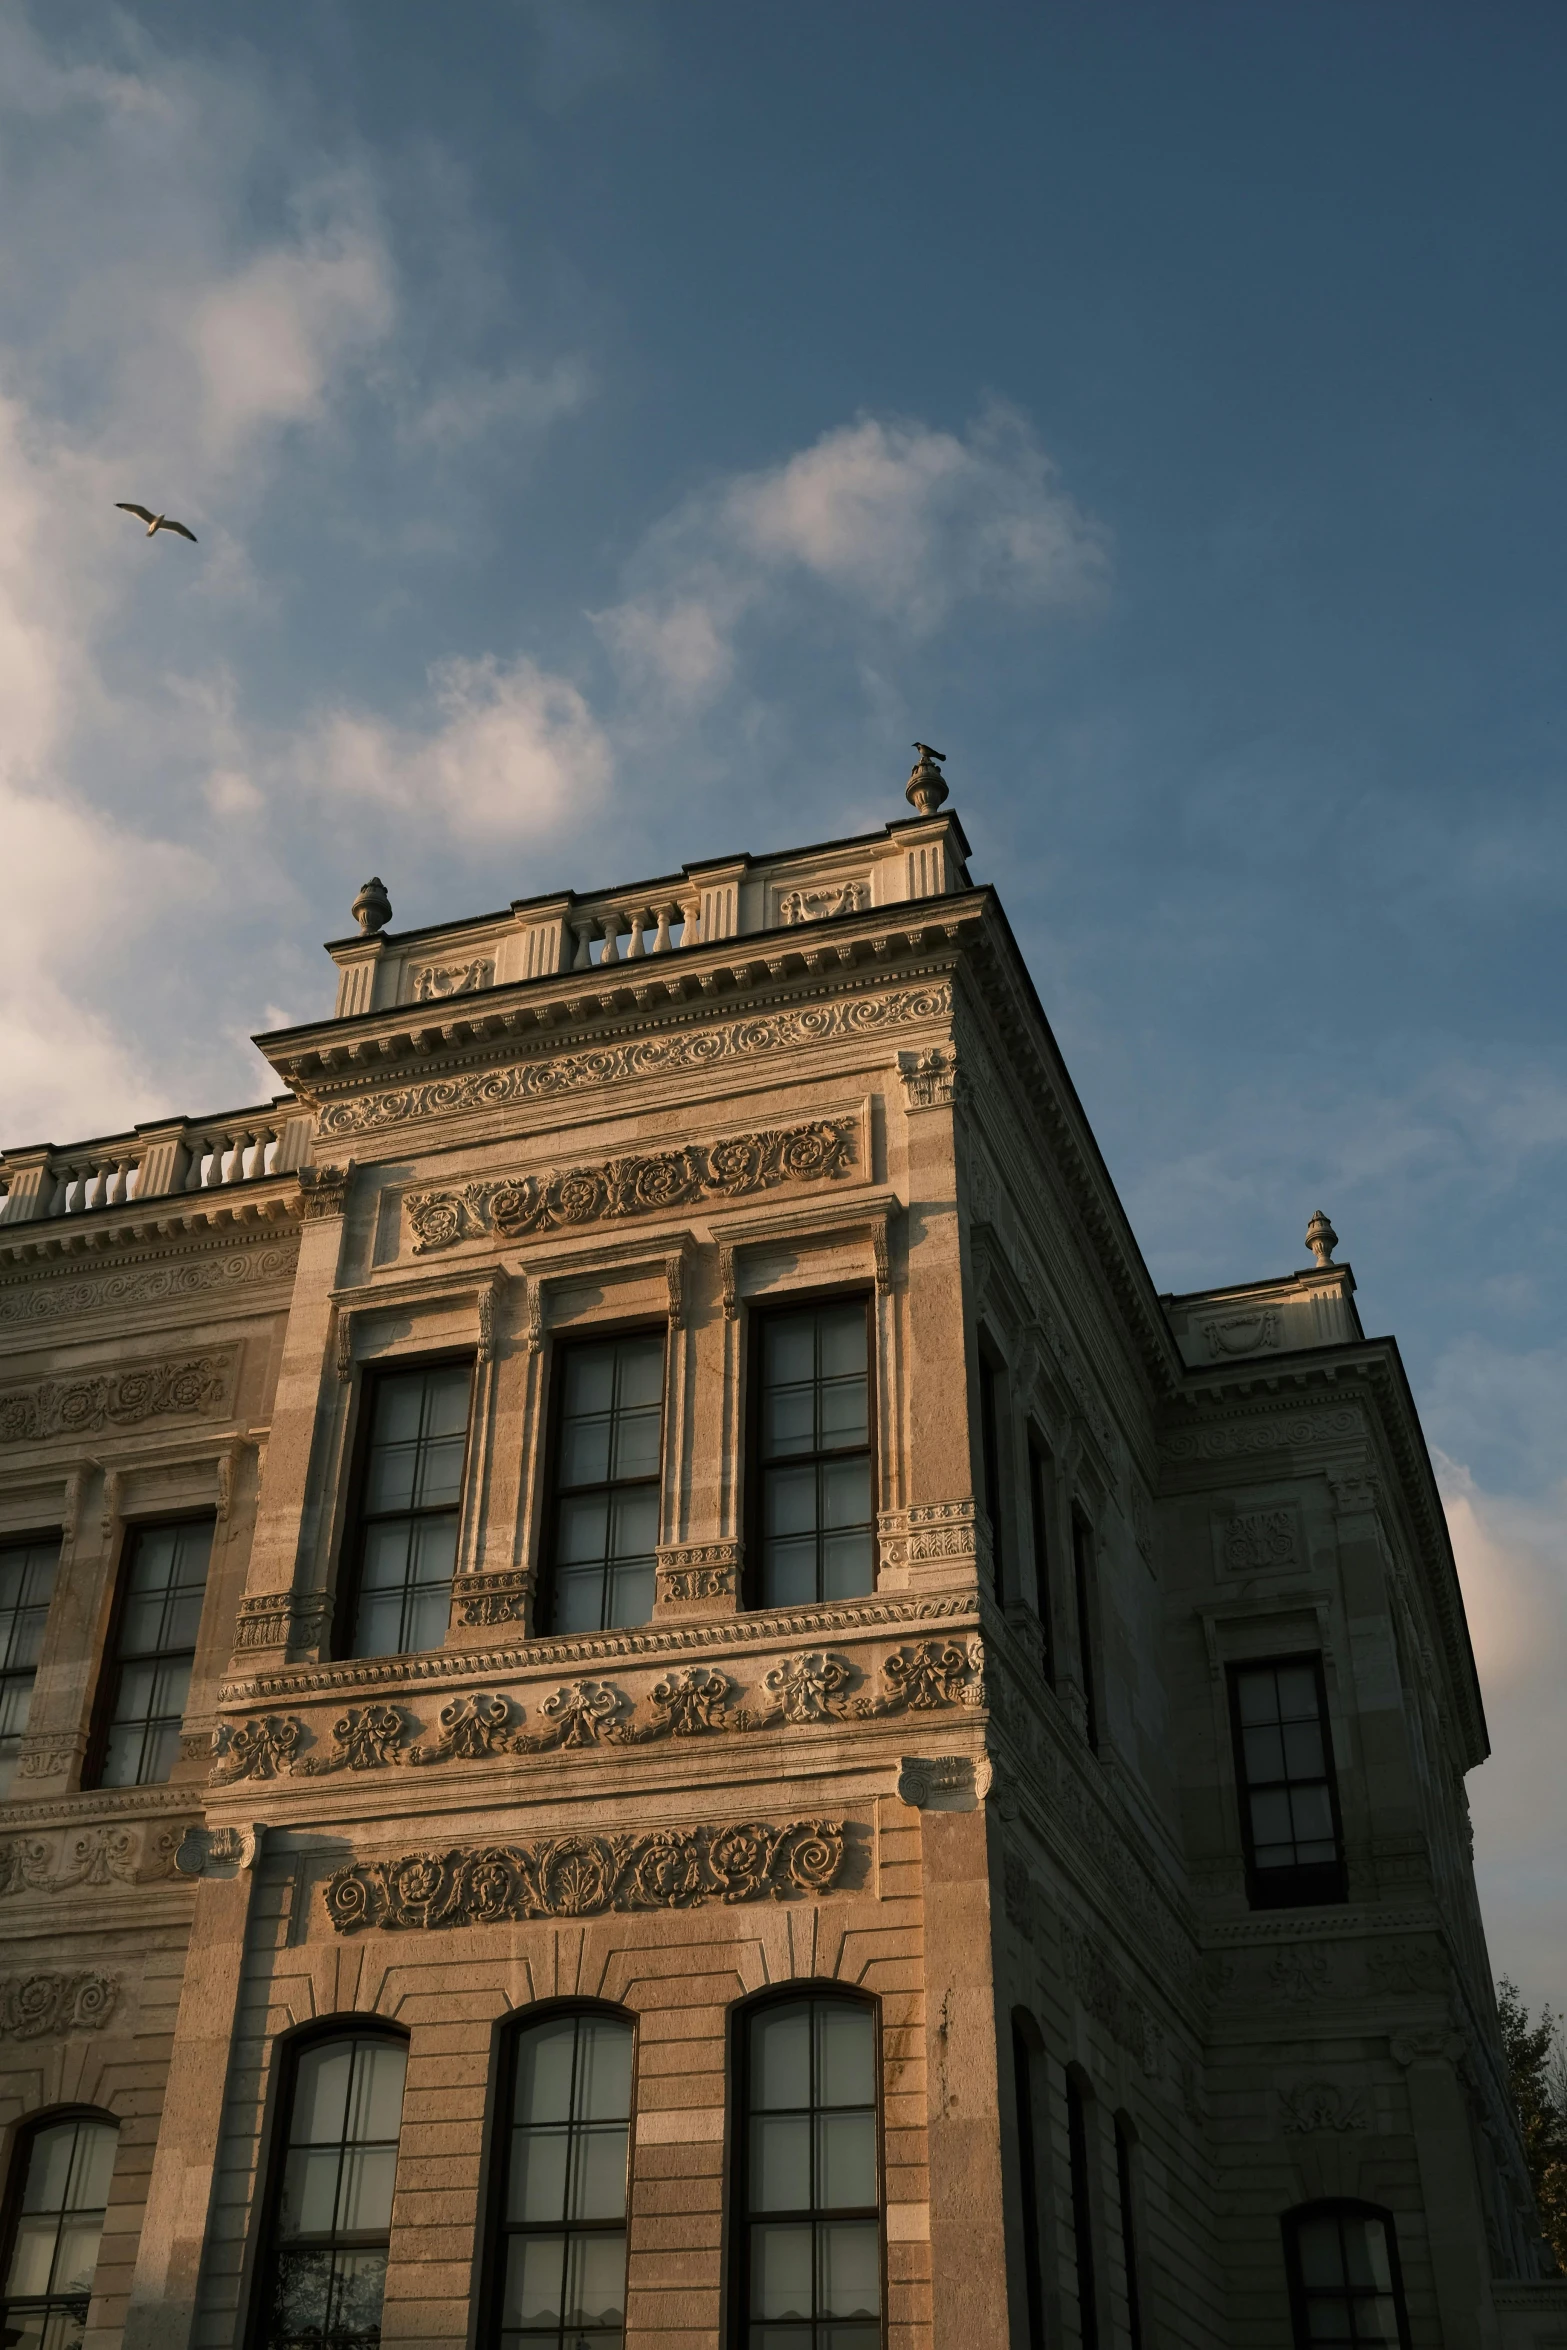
{"x":372,"y":909}
{"x":1321,"y":1238}
{"x":927,"y":786}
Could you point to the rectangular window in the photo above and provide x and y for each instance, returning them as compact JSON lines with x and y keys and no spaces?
{"x":1082,"y":2215}
{"x":164,"y":1584}
{"x":608,"y":1457}
{"x":1123,"y":2176}
{"x":27,"y":1571}
{"x":1083,"y":1589}
{"x":815,"y":1510}
{"x":1289,"y":1802}
{"x":809,"y":2183}
{"x":1039,"y":1512}
{"x":1028,"y":2184}
{"x":410,"y":1501}
{"x":990,"y":1452}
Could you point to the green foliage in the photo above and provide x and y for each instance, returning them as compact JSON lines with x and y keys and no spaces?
{"x":1537,"y":2074}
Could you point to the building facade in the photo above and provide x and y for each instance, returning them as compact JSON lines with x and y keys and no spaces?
{"x":651,"y":1697}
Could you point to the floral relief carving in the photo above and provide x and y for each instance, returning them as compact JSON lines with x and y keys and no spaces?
{"x":1397,"y":1969}
{"x":805,"y":1688}
{"x":1277,"y":1432}
{"x":585,"y":1875}
{"x":75,"y":1293}
{"x":518,"y":1205}
{"x":1242,"y":1334}
{"x":323,"y":1191}
{"x":1258,"y":1542}
{"x":1107,"y":1999}
{"x":819,"y":905}
{"x":579,"y":1713}
{"x":1300,"y":1970}
{"x":641,"y":1057}
{"x":37,"y":2007}
{"x":262,"y":1749}
{"x":97,"y":1857}
{"x":363,"y":1739}
{"x":470,"y":1727}
{"x":930,"y":1078}
{"x":1318,"y":2105}
{"x":699,"y":1570}
{"x":181,"y":1387}
{"x":500,"y":1598}
{"x":433,"y":981}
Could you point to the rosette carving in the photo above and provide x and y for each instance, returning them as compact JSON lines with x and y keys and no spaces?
{"x":36,"y":2007}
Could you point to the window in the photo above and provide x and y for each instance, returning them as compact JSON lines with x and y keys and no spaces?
{"x":1082,"y":2213}
{"x":810,"y":2267}
{"x":324,"y":2273}
{"x":815,"y":1511}
{"x":27,"y":1572}
{"x":1028,"y":2180}
{"x":1345,"y":2288}
{"x":604,"y":1551}
{"x":410,"y":1501}
{"x":1083,"y":1591}
{"x":164,"y":1583}
{"x":1123,"y":2175}
{"x":60,"y":2189}
{"x":990,"y":1461}
{"x":561,"y":2282}
{"x":1289,"y":1804}
{"x":1039,"y":1513}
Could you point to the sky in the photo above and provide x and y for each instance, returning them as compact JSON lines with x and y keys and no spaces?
{"x":615,"y":429}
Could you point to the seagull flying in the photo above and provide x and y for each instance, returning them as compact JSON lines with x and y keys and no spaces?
{"x":155,"y":522}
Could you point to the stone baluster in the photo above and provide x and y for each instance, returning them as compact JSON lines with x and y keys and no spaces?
{"x":582,"y":960}
{"x":610,"y":925}
{"x":66,"y":1172}
{"x":638,"y":920}
{"x":693,"y":920}
{"x":195,"y":1173}
{"x":663,"y":916}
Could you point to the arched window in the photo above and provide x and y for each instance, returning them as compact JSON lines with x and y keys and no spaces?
{"x":558,"y":2276}
{"x":330,"y":2213}
{"x":1345,"y":2287}
{"x":810,"y":2176}
{"x":59,"y":2192}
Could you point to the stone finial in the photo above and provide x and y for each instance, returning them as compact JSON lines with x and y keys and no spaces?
{"x":927,"y":786}
{"x":372,"y":909}
{"x":1321,"y":1238}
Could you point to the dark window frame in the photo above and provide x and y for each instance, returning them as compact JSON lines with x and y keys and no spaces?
{"x":737,"y":2186}
{"x":1028,"y":2061}
{"x":288,"y":2049}
{"x":351,"y":1549}
{"x":34,"y":1540}
{"x":801,"y":1301}
{"x":495,"y":2232}
{"x":992,"y":1393}
{"x":1085,"y":1593}
{"x":49,"y":2118}
{"x":1080,"y":2102}
{"x":1339,"y":2206}
{"x":1041,"y":1470}
{"x":1314,"y":1884}
{"x":1126,"y":2186}
{"x":110,"y":1660}
{"x":561,"y":1345}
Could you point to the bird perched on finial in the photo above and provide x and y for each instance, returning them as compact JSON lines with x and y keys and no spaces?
{"x":372,"y":909}
{"x":927,"y":786}
{"x":155,"y":522}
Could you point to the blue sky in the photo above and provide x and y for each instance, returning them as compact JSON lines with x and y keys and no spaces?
{"x":615,"y":428}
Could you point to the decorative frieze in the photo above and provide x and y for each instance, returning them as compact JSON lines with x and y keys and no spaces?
{"x":1272,"y":1432}
{"x":520,"y":1205}
{"x":930,"y":1530}
{"x":499,"y":1598}
{"x":699,"y":1048}
{"x":74,"y":1291}
{"x":433,"y":982}
{"x":96,"y":1857}
{"x":262,"y":1749}
{"x":577,"y":1876}
{"x":185,"y":1386}
{"x":282,"y":1619}
{"x":40,"y":2007}
{"x":698,"y":1570}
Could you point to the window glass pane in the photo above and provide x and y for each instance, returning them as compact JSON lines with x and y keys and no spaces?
{"x":309,"y":2191}
{"x":537,"y":2188}
{"x":845,"y":2053}
{"x":595,"y":2280}
{"x":598,"y":2173}
{"x":789,"y":1572}
{"x":164,"y":1585}
{"x":848,"y":1566}
{"x":845,"y":2160}
{"x":781,"y":2057}
{"x":781,"y":2162}
{"x":412,"y":1490}
{"x":608,"y":1456}
{"x":603,"y":2070}
{"x":850,"y":2257}
{"x":789,"y":1502}
{"x":535,"y":2277}
{"x":781,"y":2263}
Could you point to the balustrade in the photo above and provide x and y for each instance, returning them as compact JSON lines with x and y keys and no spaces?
{"x":153,"y":1163}
{"x":606,"y":926}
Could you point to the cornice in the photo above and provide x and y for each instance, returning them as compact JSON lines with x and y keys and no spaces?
{"x":387,"y":1675}
{"x":231,"y":1213}
{"x":106,"y":1804}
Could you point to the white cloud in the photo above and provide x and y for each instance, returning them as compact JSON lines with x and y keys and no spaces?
{"x":513,"y":753}
{"x":470,"y":407}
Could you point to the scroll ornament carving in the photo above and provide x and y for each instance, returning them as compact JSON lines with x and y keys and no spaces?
{"x":38,"y":2007}
{"x":95,"y":1857}
{"x":930,"y":1078}
{"x":819,"y":905}
{"x":433,"y":981}
{"x":699,"y":1570}
{"x":1300,"y":1970}
{"x":493,"y":1599}
{"x":74,"y":1293}
{"x":1398,"y":1969}
{"x":641,"y":1057}
{"x":1257,"y":1542}
{"x":585,"y":1875}
{"x":184,"y":1386}
{"x":1242,"y":1334}
{"x":519,"y":1205}
{"x":1319,"y":2105}
{"x":323,"y":1191}
{"x":692,"y":1700}
{"x":1277,"y":1432}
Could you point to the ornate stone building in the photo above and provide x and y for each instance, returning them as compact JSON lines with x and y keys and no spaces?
{"x":650,"y":1695}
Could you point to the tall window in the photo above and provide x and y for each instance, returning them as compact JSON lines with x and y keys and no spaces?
{"x":1345,"y":2288}
{"x":561,"y":2264}
{"x":60,"y":2190}
{"x":990,"y":1461}
{"x":1039,"y":1513}
{"x":1028,"y":2181}
{"x":1289,"y":1803}
{"x":1123,"y":2177}
{"x":1083,"y":1592}
{"x":324,"y":2274}
{"x":410,"y":1499}
{"x":165,"y":1581}
{"x":607,"y":1459}
{"x":27,"y":1572}
{"x":810,"y":2191}
{"x":1082,"y":2213}
{"x":815,"y":1509}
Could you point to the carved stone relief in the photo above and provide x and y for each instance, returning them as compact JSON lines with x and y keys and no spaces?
{"x":930,"y":1078}
{"x":279,"y":1619}
{"x":699,"y":1570}
{"x":1260,"y":1542}
{"x":100,"y":1857}
{"x":577,"y":1876}
{"x":1319,"y":2105}
{"x":1276,"y":1432}
{"x":639,"y":1057}
{"x":37,"y":2007}
{"x":74,"y":1292}
{"x":1107,"y":2000}
{"x":181,"y":1387}
{"x":819,"y":905}
{"x":520,"y":1205}
{"x":433,"y":981}
{"x":323,"y":1191}
{"x":498,"y":1598}
{"x":1242,"y":1334}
